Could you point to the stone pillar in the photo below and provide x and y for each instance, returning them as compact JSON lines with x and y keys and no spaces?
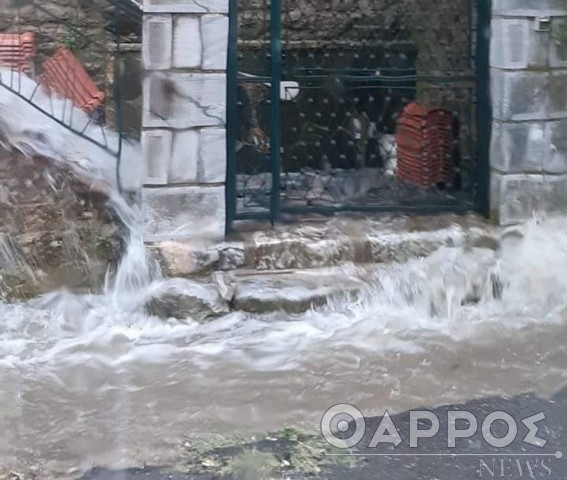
{"x":184,"y":138}
{"x":529,"y":96}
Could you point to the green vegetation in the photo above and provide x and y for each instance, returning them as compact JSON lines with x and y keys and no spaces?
{"x":251,"y":465}
{"x":72,"y":38}
{"x":16,"y":287}
{"x":264,"y":457}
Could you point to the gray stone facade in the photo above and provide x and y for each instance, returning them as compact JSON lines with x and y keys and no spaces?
{"x":529,"y":95}
{"x":184,"y":136}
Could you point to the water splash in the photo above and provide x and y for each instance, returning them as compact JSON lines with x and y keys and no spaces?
{"x":452,"y":292}
{"x":137,"y":269}
{"x":428,"y":331}
{"x":27,"y":129}
{"x":9,"y":258}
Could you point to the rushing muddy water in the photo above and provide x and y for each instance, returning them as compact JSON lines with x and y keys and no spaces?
{"x":91,"y":380}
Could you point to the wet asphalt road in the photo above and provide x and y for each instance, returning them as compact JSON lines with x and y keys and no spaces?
{"x":473,"y":458}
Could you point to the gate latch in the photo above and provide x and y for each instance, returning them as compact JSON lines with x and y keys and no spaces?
{"x":543,"y":24}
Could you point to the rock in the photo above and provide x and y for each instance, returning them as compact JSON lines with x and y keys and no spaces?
{"x":225,"y":287}
{"x":180,"y":259}
{"x":231,"y":256}
{"x":296,"y":292}
{"x":304,"y":246}
{"x":186,"y":300}
{"x":54,"y":231}
{"x":17,"y":286}
{"x":487,"y":242}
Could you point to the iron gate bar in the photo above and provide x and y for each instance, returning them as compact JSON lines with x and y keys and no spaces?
{"x":417,"y":210}
{"x":363,"y":71}
{"x":331,"y":45}
{"x":231,"y":114}
{"x":254,"y":79}
{"x":254,"y":215}
{"x":118,"y":95}
{"x":483,"y":105}
{"x":394,"y":79}
{"x":275,"y":107}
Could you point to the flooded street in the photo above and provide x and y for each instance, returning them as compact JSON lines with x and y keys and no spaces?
{"x":166,"y":172}
{"x":93,"y":381}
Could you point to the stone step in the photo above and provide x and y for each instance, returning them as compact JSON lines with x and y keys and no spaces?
{"x":293,"y":292}
{"x":288,"y":292}
{"x":322,"y":243}
{"x":296,"y":292}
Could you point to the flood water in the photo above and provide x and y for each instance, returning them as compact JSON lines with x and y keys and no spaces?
{"x":91,"y":380}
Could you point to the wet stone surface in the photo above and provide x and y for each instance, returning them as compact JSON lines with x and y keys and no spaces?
{"x":54,"y":231}
{"x":308,"y":242}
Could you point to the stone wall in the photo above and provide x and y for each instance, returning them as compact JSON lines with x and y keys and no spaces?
{"x":367,"y":34}
{"x":529,"y":95}
{"x":183,"y":139}
{"x":442,"y":34}
{"x":185,"y":46}
{"x":54,"y":231}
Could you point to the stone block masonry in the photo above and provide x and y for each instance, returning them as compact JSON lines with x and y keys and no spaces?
{"x":185,"y":45}
{"x":529,"y":96}
{"x":184,"y":119}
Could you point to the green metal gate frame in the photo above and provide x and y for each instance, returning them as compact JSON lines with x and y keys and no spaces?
{"x":482,"y":112}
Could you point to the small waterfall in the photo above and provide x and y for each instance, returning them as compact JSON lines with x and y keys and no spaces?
{"x":23,"y":127}
{"x":8,"y":256}
{"x":136,"y":269}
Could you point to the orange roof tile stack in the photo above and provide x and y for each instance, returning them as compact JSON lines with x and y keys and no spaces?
{"x":424,"y":138}
{"x":64,"y":74}
{"x":17,"y":51}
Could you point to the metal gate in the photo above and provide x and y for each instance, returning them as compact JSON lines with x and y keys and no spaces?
{"x":362,"y":105}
